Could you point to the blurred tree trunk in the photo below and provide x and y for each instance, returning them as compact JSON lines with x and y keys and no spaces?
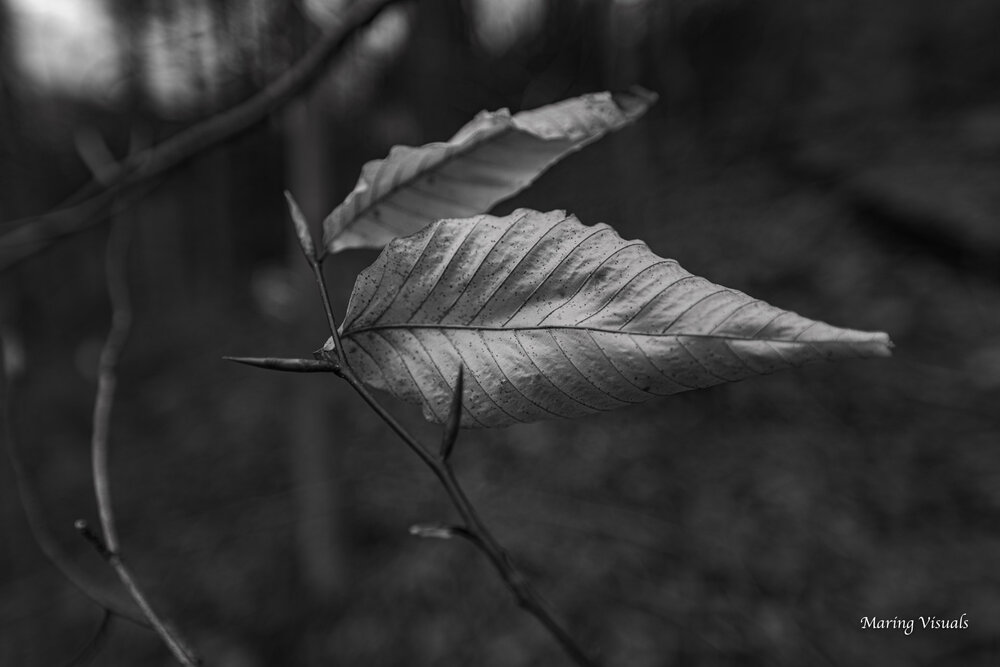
{"x":157,"y":242}
{"x":670,"y":73}
{"x":313,"y":448}
{"x":9,"y":208}
{"x":9,"y":121}
{"x":437,"y":63}
{"x":210,"y":239}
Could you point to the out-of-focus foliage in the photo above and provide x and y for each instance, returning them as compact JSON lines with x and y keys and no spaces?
{"x":773,"y":516}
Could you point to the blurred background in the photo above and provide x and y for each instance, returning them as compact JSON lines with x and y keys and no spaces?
{"x":839,"y":159}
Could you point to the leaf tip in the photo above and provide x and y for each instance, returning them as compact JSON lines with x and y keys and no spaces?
{"x":883,"y":344}
{"x":635,"y":101}
{"x":868,"y":343}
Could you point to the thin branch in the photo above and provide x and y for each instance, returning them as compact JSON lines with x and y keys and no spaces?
{"x":37,"y":524}
{"x":107,"y":379}
{"x":180,"y":650}
{"x":109,"y":548}
{"x":36,"y":233}
{"x":27,"y":239}
{"x":331,"y":320}
{"x":315,"y":262}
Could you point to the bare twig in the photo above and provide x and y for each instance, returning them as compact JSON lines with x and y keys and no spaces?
{"x":107,"y":379}
{"x":180,"y":650}
{"x":108,"y":599}
{"x":109,"y":547}
{"x":31,"y":235}
{"x":315,"y":262}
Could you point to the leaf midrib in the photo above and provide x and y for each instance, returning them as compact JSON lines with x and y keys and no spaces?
{"x":467,"y":327}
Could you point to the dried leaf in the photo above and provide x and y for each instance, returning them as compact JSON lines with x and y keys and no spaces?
{"x":552,"y":318}
{"x":493,"y":157}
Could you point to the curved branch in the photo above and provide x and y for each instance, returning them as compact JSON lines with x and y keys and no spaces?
{"x":109,"y":549}
{"x":33,"y":234}
{"x":108,"y":599}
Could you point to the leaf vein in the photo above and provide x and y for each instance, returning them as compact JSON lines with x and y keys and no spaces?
{"x":409,"y":272}
{"x":735,"y":310}
{"x":555,"y":268}
{"x":622,"y":288}
{"x":701,"y":364}
{"x":469,"y":233}
{"x":652,"y":300}
{"x":475,"y":378}
{"x":482,"y":262}
{"x":611,"y":362}
{"x":694,"y":305}
{"x":589,"y":276}
{"x":442,"y":375}
{"x":671,"y":334}
{"x":413,"y":380}
{"x":513,"y":271}
{"x":543,"y":374}
{"x":659,"y":370}
{"x":585,"y":377}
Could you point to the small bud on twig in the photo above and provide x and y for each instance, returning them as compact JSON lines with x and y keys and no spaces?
{"x":328,"y":351}
{"x":454,"y":417}
{"x":301,"y":228}
{"x":438,"y":531}
{"x":442,"y":531}
{"x":84,"y":529}
{"x":288,"y":365}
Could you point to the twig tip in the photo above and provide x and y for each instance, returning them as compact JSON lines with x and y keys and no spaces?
{"x":288,"y":365}
{"x":301,"y":228}
{"x":454,"y":417}
{"x":432,"y":530}
{"x":95,"y":541}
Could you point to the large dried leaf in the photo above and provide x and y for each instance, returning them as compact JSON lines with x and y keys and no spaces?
{"x":552,"y":318}
{"x":495,"y":156}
